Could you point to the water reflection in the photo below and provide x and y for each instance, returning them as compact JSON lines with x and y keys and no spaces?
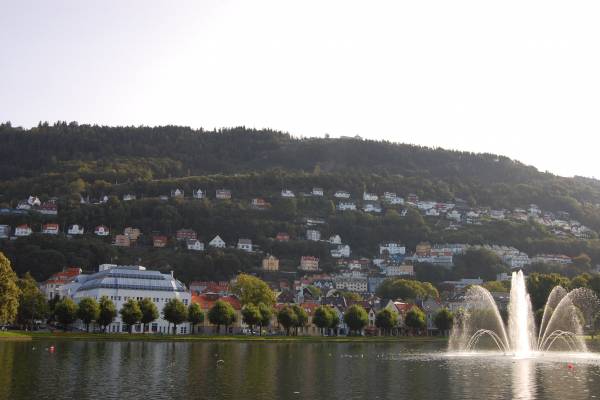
{"x":523,"y":381}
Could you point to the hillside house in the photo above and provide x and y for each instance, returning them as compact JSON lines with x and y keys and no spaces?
{"x":159,"y":241}
{"x":75,"y":230}
{"x":372,"y":208}
{"x":309,"y":263}
{"x":270,"y":263}
{"x":370,"y":196}
{"x":23,"y":230}
{"x":341,"y":251}
{"x":398,"y":270}
{"x":198,"y":194}
{"x":217,"y":242}
{"x":497,"y":214}
{"x":423,"y":249}
{"x":4,"y":231}
{"x":335,"y":239}
{"x":48,"y":208}
{"x":412,"y":198}
{"x":177,"y":193}
{"x":341,"y":194}
{"x":223,"y":194}
{"x":122,"y":241}
{"x":282,"y":237}
{"x":454,"y":216}
{"x":317,"y":192}
{"x":346,"y":206}
{"x":52,"y":287}
{"x":50,"y":229}
{"x":391,"y":248}
{"x":259,"y":203}
{"x":185,"y":234}
{"x":23,"y":205}
{"x":432,"y":212}
{"x":244,"y":245}
{"x":287,"y":193}
{"x":129,"y":197}
{"x":101,"y":230}
{"x":132,"y":233}
{"x":313,"y":234}
{"x":194,"y":244}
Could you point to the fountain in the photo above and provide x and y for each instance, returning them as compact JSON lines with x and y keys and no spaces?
{"x":478,"y":322}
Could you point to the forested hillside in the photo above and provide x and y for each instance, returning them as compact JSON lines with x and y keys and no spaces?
{"x":70,"y":162}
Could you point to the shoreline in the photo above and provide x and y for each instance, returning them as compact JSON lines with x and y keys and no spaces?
{"x":125,"y":337}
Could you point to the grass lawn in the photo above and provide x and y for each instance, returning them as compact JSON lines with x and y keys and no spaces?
{"x":14,"y":335}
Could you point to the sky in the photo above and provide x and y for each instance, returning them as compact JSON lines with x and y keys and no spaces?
{"x":518,"y":78}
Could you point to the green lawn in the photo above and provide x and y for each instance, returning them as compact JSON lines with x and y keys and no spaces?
{"x":215,"y":338}
{"x":13,"y":335}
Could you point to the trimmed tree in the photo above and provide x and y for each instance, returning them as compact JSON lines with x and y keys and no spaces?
{"x":266,"y":312}
{"x":131,"y":314}
{"x":335,"y":321}
{"x":386,"y":320}
{"x":9,"y":292}
{"x":443,"y":320}
{"x":287,"y":318}
{"x":415,"y":319}
{"x":175,"y":312}
{"x":88,"y":310}
{"x":252,"y":290}
{"x":32,"y":303}
{"x":221,"y":313}
{"x":322,"y":318}
{"x":108,"y":312}
{"x":149,"y":312}
{"x":65,"y":312}
{"x":356,"y":318}
{"x":301,"y":317}
{"x":251,"y":316}
{"x":195,"y":315}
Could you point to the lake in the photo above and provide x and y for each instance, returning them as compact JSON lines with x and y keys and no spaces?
{"x":192,"y":370}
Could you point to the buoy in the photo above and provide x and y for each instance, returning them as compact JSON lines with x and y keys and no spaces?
{"x":51,"y":349}
{"x":570,"y":366}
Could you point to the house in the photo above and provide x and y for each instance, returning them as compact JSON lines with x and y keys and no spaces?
{"x":159,"y":241}
{"x":432,"y":212}
{"x":454,"y":216}
{"x":371,"y":207}
{"x":551,"y":259}
{"x":335,"y":239}
{"x":370,"y":196}
{"x":101,"y":230}
{"x":50,"y":229}
{"x":313,"y":234}
{"x":217,"y":242}
{"x":221,"y":288}
{"x":357,"y":283}
{"x":129,"y":197}
{"x":287,"y":193}
{"x":317,"y":191}
{"x":346,"y":206}
{"x":270,"y":263}
{"x":223,"y":194}
{"x":33,"y":201}
{"x":391,"y":248}
{"x":4,"y":231}
{"x":244,"y":245}
{"x":48,"y":208}
{"x":177,"y":192}
{"x":259,"y":203}
{"x":341,"y":194}
{"x":23,"y":230}
{"x":195,"y":244}
{"x":309,"y":263}
{"x":497,"y":214}
{"x":412,"y":198}
{"x":396,"y":201}
{"x":534,"y":210}
{"x":398,"y":270}
{"x":185,"y":234}
{"x":198,"y":194}
{"x":122,"y":241}
{"x":52,"y":287}
{"x":387,"y":196}
{"x":423,"y":249}
{"x":207,"y":300}
{"x":282,"y":237}
{"x":75,"y":229}
{"x":23,"y":205}
{"x":132,"y":233}
{"x":341,"y":251}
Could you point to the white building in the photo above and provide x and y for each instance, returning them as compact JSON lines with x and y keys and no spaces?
{"x":399,"y":270}
{"x":454,"y":216}
{"x":341,"y":194}
{"x":129,"y":197}
{"x":244,"y":245}
{"x":353,"y":283}
{"x":194,"y":244}
{"x":370,"y":207}
{"x":102,"y":230}
{"x":391,"y":248}
{"x":317,"y":191}
{"x":335,"y":239}
{"x":177,"y":192}
{"x":346,"y":206}
{"x":370,"y":196}
{"x":121,"y":283}
{"x":23,"y":230}
{"x":75,"y":230}
{"x":4,"y":231}
{"x":287,"y":193}
{"x":217,"y":242}
{"x":313,"y":234}
{"x":198,"y":194}
{"x":341,"y":251}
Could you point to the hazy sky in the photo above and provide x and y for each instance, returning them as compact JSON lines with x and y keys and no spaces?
{"x":520,"y":78}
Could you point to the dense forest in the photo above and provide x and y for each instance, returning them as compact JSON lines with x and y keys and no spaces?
{"x":71,"y":161}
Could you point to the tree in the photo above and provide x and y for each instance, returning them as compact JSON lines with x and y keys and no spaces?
{"x":252,"y":290}
{"x":415,"y":319}
{"x":334,"y":322}
{"x":149,"y":312}
{"x":406,"y":289}
{"x":479,"y":263}
{"x":322,"y":317}
{"x":301,"y":317}
{"x":131,"y":314}
{"x":195,"y":315}
{"x":108,"y":312}
{"x":287,"y":318}
{"x":32,"y":303}
{"x":356,"y":318}
{"x":221,"y":313}
{"x":251,"y":316}
{"x":386,"y":320}
{"x":66,"y":312}
{"x":9,"y":292}
{"x":443,"y":320}
{"x":266,"y":313}
{"x":175,"y":312}
{"x":88,"y":310}
{"x":495,"y":286}
{"x":539,"y":287}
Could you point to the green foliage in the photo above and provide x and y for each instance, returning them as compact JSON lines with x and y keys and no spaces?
{"x":175,"y":312}
{"x":356,"y":318}
{"x":266,"y":312}
{"x":386,"y":320}
{"x":221,"y":313}
{"x":480,"y":263}
{"x":65,"y":311}
{"x":131,"y":314}
{"x":9,"y":292}
{"x":149,"y":312}
{"x":497,"y":286}
{"x":443,"y":320}
{"x":406,"y":289}
{"x":108,"y":312}
{"x":88,"y":310}
{"x":195,"y":315}
{"x":301,"y":317}
{"x":322,"y":317}
{"x":539,"y":287}
{"x":252,"y":290}
{"x":287,"y":318}
{"x":32,"y":303}
{"x":251,"y":315}
{"x":415,"y":319}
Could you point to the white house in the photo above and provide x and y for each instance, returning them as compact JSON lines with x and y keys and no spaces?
{"x":335,"y":239}
{"x":75,"y":230}
{"x":102,"y":230}
{"x":497,"y":214}
{"x":217,"y":242}
{"x":432,"y":212}
{"x":341,"y":194}
{"x":287,"y":193}
{"x":129,"y":197}
{"x":245,"y":245}
{"x":194,"y":244}
{"x":223,"y":194}
{"x":370,"y":196}
{"x":33,"y":201}
{"x":399,"y":270}
{"x":317,"y":191}
{"x":346,"y":206}
{"x":177,"y":192}
{"x":454,"y":216}
{"x":121,"y":283}
{"x":198,"y":194}
{"x":50,"y":229}
{"x":4,"y":231}
{"x":396,"y":200}
{"x":370,"y":207}
{"x":391,"y":248}
{"x":23,"y":230}
{"x":341,"y":251}
{"x":313,"y":234}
